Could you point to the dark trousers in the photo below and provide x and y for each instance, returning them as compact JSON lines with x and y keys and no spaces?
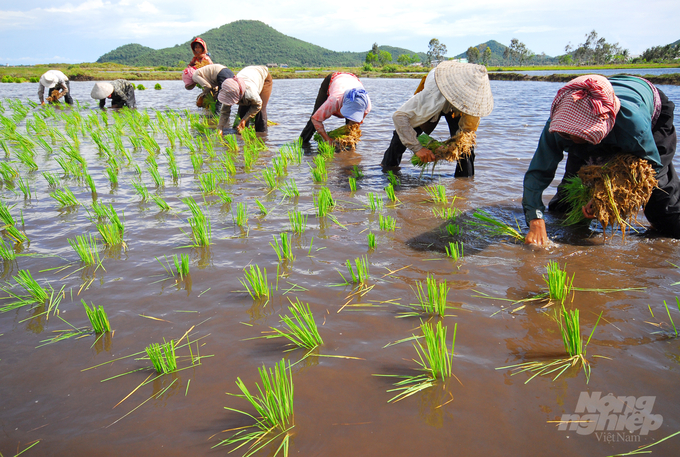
{"x":225,"y":73}
{"x":67,"y":98}
{"x":260,"y":120}
{"x":395,"y":151}
{"x":309,"y":130}
{"x":663,"y":208}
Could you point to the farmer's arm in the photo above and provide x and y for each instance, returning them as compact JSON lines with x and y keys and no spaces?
{"x":326,"y":110}
{"x":225,"y":114}
{"x":41,"y":93}
{"x":254,"y":102}
{"x":538,"y":177}
{"x":409,"y":138}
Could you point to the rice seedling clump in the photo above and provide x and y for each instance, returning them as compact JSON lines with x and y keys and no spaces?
{"x":457,"y":147}
{"x":345,"y":137}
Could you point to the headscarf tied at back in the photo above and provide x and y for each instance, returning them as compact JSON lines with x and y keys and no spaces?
{"x":231,"y":91}
{"x":354,"y":104}
{"x":187,"y":76}
{"x":585,"y":107}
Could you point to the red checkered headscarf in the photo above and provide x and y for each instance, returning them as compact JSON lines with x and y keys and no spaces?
{"x":585,"y":107}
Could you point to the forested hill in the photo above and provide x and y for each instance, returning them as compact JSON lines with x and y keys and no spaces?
{"x":245,"y":43}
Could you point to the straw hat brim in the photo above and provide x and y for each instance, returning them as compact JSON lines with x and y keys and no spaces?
{"x":48,"y":80}
{"x":466,"y":86}
{"x":101,"y":90}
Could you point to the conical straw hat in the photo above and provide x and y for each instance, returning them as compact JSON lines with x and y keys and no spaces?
{"x":101,"y":90}
{"x":466,"y":86}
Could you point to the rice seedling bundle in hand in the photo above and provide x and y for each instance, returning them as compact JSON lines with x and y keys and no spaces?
{"x":346,"y":137}
{"x":55,"y":95}
{"x":620,"y":188}
{"x":457,"y":147}
{"x":274,"y":416}
{"x":98,"y":318}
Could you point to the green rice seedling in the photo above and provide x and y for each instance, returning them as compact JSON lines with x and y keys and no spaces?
{"x":559,"y":284}
{"x":324,"y":202}
{"x":387,"y":223}
{"x":114,"y":218}
{"x":393,"y":179}
{"x":437,"y":193}
{"x":357,"y":173}
{"x":37,"y":293}
{"x":360,"y":274}
{"x":141,"y":189}
{"x":375,"y":202}
{"x":280,"y":166}
{"x":319,"y":173}
{"x":577,"y":195}
{"x":151,"y":161}
{"x":371,"y":240}
{"x":495,"y":227}
{"x":255,"y":282}
{"x":389,"y":190}
{"x":453,"y":229}
{"x":445,"y":213}
{"x":65,"y":197}
{"x":174,"y":170}
{"x":241,"y":217}
{"x":290,"y":189}
{"x":208,"y":183}
{"x":228,"y":164}
{"x":7,"y":251}
{"x":8,"y":172}
{"x":163,"y":357}
{"x":301,"y":329}
{"x":90,"y":183}
{"x":269,"y":177}
{"x":325,"y":150}
{"x":283,"y":250}
{"x":274,"y":409}
{"x":181,"y":265}
{"x":110,"y":234}
{"x":5,"y":147}
{"x":200,"y":223}
{"x":250,"y":157}
{"x":87,"y":249}
{"x":100,"y":211}
{"x":44,"y":144}
{"x":298,"y":221}
{"x":98,"y":318}
{"x":574,"y":346}
{"x":225,"y":197}
{"x":230,"y":141}
{"x":161,"y":203}
{"x":112,"y":173}
{"x":352,"y":184}
{"x":435,"y":360}
{"x":158,"y":86}
{"x":25,"y":187}
{"x":27,"y":159}
{"x":263,"y":209}
{"x":197,"y":162}
{"x":9,"y":227}
{"x":432,"y":296}
{"x":454,"y":250}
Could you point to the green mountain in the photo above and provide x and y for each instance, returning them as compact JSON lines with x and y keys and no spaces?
{"x":245,"y":43}
{"x":497,"y":50}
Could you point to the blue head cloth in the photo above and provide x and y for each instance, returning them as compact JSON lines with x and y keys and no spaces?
{"x":354,"y":104}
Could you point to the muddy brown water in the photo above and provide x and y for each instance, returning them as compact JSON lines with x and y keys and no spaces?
{"x":341,"y":408}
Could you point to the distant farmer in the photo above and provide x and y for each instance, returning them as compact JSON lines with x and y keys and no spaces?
{"x":341,"y":95}
{"x":594,"y":119}
{"x":201,"y":56}
{"x":54,"y":80}
{"x":250,"y":89}
{"x":210,"y":78}
{"x":461,"y":93}
{"x":120,"y":91}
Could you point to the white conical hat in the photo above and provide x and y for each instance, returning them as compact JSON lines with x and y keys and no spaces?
{"x":101,"y":90}
{"x":49,"y":80}
{"x":466,"y":86}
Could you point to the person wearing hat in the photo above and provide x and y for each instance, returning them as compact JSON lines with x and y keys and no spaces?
{"x":201,"y":57}
{"x":460,"y":92}
{"x":54,"y":80}
{"x":250,"y":89}
{"x":341,"y":95}
{"x":120,"y":91}
{"x":592,"y":119}
{"x":209,"y":77}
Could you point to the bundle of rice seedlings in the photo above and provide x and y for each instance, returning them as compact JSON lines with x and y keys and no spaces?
{"x":301,"y":329}
{"x":457,"y":147}
{"x":620,"y":188}
{"x":163,"y":357}
{"x":55,"y":95}
{"x":98,"y":318}
{"x":345,"y":137}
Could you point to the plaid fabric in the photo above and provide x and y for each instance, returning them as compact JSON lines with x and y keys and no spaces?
{"x":585,"y":107}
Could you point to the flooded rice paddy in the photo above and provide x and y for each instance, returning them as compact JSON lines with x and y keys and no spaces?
{"x":52,"y":398}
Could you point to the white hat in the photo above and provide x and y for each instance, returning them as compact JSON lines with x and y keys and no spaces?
{"x":101,"y":90}
{"x":49,"y":79}
{"x":466,"y":86}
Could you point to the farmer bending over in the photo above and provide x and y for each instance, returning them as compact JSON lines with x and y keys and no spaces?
{"x":120,"y":91}
{"x":594,"y":118}
{"x":458,"y":91}
{"x":210,"y":78}
{"x":54,"y":80}
{"x":341,"y":95}
{"x":250,"y":89}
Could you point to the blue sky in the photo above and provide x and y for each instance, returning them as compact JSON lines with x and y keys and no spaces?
{"x":82,"y":30}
